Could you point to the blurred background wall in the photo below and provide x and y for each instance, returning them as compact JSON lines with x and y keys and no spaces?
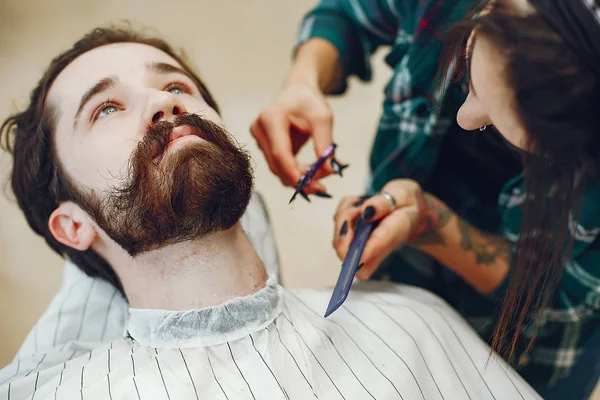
{"x":242,"y":49}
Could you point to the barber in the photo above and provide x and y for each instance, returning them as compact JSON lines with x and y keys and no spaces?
{"x":442,"y":161}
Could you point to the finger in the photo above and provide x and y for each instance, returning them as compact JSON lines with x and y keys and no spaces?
{"x":322,"y":136}
{"x":263,"y":143}
{"x":317,"y":180}
{"x":368,"y":269}
{"x":361,"y":200}
{"x":262,"y":139}
{"x":378,"y":206}
{"x":324,"y":172}
{"x":402,"y":190}
{"x":344,"y":204}
{"x":277,"y":129}
{"x":346,"y":212}
{"x":342,"y":235}
{"x":392,"y":231}
{"x":345,"y":233}
{"x":314,"y":186}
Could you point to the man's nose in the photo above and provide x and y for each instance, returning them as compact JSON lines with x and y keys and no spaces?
{"x":163,"y":106}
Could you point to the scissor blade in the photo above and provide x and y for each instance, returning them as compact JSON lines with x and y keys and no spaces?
{"x":349,"y":266}
{"x":303,"y":194}
{"x":293,"y":197}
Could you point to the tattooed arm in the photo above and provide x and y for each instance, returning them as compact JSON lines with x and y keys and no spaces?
{"x":480,"y":258}
{"x":428,"y":224}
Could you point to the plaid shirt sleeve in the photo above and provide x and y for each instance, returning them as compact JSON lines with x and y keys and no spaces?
{"x":356,"y":28}
{"x":573,"y":314}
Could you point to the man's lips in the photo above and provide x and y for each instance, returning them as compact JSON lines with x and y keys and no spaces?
{"x":183,"y":131}
{"x":172,"y":142}
{"x":180,"y":134}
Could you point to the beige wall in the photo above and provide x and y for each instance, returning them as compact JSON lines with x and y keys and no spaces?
{"x":242,"y":49}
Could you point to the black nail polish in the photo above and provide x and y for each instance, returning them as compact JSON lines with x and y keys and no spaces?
{"x":369,"y":213}
{"x":323,"y":195}
{"x":361,"y":200}
{"x":344,"y":229}
{"x":360,"y":266}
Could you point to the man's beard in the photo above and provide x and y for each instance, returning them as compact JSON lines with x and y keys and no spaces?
{"x":199,"y":189}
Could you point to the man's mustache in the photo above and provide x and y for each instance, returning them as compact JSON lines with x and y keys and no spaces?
{"x":158,"y":135}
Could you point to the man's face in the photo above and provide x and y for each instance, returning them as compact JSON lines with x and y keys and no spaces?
{"x":139,"y":142}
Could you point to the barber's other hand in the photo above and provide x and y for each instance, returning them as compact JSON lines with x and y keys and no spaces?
{"x":299,"y":112}
{"x":416,"y":213}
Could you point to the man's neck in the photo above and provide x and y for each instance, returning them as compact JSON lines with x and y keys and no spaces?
{"x":194,"y":274}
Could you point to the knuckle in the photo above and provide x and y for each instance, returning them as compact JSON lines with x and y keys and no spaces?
{"x":323,"y":117}
{"x":337,"y":216}
{"x":277,"y":154}
{"x":273,"y":169}
{"x":411,"y":185}
{"x":270,"y":113}
{"x":282,"y":178}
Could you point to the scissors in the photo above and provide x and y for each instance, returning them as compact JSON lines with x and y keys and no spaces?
{"x":350,"y":265}
{"x":312,"y":170}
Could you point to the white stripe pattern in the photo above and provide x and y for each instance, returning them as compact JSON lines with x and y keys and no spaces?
{"x":395,"y":342}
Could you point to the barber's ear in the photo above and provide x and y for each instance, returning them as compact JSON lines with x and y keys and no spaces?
{"x":72,"y":226}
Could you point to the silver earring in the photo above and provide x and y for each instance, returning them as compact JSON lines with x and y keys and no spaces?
{"x":483,"y":128}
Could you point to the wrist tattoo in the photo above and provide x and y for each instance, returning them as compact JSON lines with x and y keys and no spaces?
{"x":487,"y":248}
{"x":425,"y":224}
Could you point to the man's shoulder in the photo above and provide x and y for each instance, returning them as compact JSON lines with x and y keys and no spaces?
{"x":37,"y":374}
{"x":372,"y":292}
{"x":85,"y":309}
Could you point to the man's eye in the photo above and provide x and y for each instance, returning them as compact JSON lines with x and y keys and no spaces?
{"x":107,"y":110}
{"x":176,"y":90}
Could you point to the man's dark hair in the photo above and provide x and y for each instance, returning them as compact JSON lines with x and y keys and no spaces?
{"x":37,"y":180}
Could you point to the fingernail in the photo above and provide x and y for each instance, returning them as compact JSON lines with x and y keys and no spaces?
{"x":323,"y":194}
{"x":369,"y":213}
{"x":360,"y":266}
{"x":361,"y":200}
{"x":344,"y":229}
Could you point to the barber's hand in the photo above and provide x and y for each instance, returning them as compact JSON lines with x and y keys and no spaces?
{"x":299,"y":112}
{"x":414,"y":214}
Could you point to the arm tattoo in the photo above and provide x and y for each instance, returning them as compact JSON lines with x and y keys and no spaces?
{"x":487,"y":248}
{"x":425,"y":224}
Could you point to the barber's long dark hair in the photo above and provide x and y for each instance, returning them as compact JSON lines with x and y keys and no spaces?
{"x":557,"y":99}
{"x":37,"y":180}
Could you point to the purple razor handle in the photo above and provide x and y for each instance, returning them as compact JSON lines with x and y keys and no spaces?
{"x":350,"y":265}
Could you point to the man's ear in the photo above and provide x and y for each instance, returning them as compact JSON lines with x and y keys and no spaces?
{"x":72,"y":226}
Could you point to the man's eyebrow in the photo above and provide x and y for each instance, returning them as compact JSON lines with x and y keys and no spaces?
{"x":165,"y":68}
{"x":101,"y":86}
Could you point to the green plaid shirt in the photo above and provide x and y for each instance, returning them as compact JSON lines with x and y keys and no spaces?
{"x":408,"y":142}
